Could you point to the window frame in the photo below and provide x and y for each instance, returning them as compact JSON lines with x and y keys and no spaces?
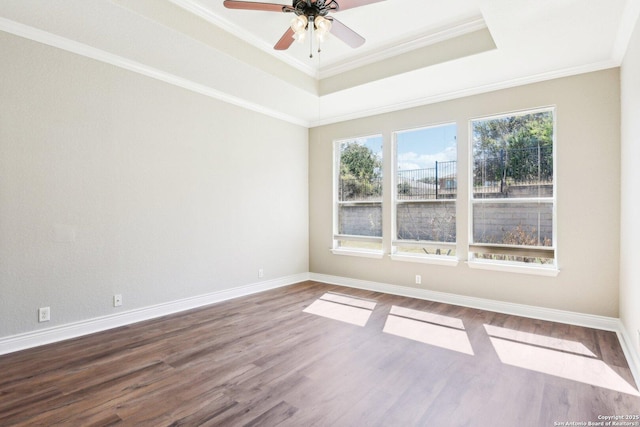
{"x":515,"y":250}
{"x":337,"y":237}
{"x":449,"y":260}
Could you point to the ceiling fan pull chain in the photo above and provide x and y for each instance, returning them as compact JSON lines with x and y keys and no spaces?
{"x":311,"y":26}
{"x":311,"y":16}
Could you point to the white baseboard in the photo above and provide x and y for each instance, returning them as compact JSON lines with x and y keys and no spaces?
{"x":580,"y":319}
{"x":633,"y":358}
{"x":541,"y":313}
{"x":72,"y":330}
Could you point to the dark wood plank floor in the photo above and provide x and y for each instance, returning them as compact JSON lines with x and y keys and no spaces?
{"x":261,"y":361}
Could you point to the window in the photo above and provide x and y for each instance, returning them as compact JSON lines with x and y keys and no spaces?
{"x":358,"y":195}
{"x":426,"y":187}
{"x":513,"y":199}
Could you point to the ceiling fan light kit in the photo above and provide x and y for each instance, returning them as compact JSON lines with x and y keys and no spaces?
{"x":311,"y":17}
{"x":323,"y":27}
{"x":299,"y":27}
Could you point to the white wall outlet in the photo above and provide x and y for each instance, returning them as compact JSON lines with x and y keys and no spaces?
{"x":260,"y":272}
{"x":117,"y":300}
{"x":44,"y":314}
{"x":418,"y":279}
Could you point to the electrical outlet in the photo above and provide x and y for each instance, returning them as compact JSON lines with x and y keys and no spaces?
{"x":418,"y":279}
{"x":260,"y":272}
{"x":117,"y":300}
{"x":44,"y":314}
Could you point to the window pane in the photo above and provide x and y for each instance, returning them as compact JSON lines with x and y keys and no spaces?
{"x":436,"y":182}
{"x":431,"y":221}
{"x":360,"y":219}
{"x":522,"y":224}
{"x":359,"y":191}
{"x":513,"y":165}
{"x":513,"y":156}
{"x":426,"y":163}
{"x":514,"y":258}
{"x":360,"y":176}
{"x":426,"y":188}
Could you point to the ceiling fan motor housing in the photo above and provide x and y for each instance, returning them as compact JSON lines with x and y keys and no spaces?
{"x":317,"y":8}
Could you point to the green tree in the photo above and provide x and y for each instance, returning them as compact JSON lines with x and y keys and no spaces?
{"x":360,"y":172}
{"x":358,"y":161}
{"x":513,"y":149}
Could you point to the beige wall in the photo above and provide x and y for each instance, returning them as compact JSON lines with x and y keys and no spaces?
{"x":588,"y":161}
{"x":112,"y":182}
{"x":630,"y":191}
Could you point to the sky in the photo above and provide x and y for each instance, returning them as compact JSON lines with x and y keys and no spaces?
{"x":418,"y":148}
{"x":374,"y":143}
{"x":421,"y":148}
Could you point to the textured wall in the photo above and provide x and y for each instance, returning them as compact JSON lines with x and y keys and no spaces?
{"x":630,"y":191}
{"x":588,"y":135}
{"x":111,"y":182}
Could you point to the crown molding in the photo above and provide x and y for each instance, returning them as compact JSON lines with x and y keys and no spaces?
{"x":475,"y":90}
{"x":405,"y":45}
{"x":82,"y":49}
{"x":50,"y":39}
{"x":206,"y":14}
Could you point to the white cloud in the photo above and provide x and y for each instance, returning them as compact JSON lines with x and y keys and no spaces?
{"x":411,"y":160}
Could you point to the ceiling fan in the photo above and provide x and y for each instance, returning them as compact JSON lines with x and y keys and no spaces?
{"x":311,"y":16}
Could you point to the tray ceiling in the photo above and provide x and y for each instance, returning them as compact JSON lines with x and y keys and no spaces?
{"x":417,"y":51}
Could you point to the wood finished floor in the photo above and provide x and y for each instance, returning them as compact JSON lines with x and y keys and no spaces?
{"x":261,"y":361}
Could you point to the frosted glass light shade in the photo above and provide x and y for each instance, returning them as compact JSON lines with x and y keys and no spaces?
{"x":299,"y":24}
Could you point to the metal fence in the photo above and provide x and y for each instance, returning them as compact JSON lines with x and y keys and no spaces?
{"x":504,"y":173}
{"x":497,"y":171}
{"x":439,"y":182}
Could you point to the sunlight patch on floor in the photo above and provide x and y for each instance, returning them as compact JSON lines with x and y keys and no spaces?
{"x":539,"y":340}
{"x":344,"y":308}
{"x":428,"y":328}
{"x":557,"y":357}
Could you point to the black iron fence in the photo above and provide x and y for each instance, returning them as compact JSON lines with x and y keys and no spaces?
{"x":439,"y":182}
{"x":498,"y":171}
{"x":513,"y":172}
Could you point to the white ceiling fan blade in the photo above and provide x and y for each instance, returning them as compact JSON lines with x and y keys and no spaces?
{"x":346,"y":34}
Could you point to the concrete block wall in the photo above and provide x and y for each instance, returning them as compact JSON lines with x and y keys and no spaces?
{"x":436,"y":221}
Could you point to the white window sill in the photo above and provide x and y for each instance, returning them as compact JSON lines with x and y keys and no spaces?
{"x":550,"y":271}
{"x":436,"y":260}
{"x":358,"y":253}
